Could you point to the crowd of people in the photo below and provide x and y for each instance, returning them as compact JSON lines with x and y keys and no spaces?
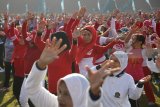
{"x":90,"y":60}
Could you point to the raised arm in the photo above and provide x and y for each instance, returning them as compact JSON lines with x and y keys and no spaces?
{"x":158,"y":61}
{"x":6,"y":26}
{"x":71,"y":21}
{"x":80,"y":14}
{"x":38,"y":94}
{"x":73,"y":50}
{"x":103,"y":49}
{"x":74,"y":21}
{"x":96,"y":79}
{"x":49,"y":28}
{"x":134,"y":28}
{"x":135,"y":91}
{"x":24,"y":28}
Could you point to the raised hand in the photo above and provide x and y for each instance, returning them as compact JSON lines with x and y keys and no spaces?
{"x":96,"y":78}
{"x":145,"y":79}
{"x":2,"y":33}
{"x":29,"y":15}
{"x":50,"y":24}
{"x":158,"y":61}
{"x":76,"y":33}
{"x":66,"y":19}
{"x":81,"y":12}
{"x":74,"y":15}
{"x":5,"y":14}
{"x":157,"y":41}
{"x":50,"y":52}
{"x":41,"y":25}
{"x":134,"y":28}
{"x":115,"y":12}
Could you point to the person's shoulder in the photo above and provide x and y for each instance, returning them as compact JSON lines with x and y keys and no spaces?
{"x":128,"y":76}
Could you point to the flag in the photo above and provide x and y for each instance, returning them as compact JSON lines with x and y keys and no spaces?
{"x":62,"y":5}
{"x":105,"y":6}
{"x":133,"y":6}
{"x":44,"y":6}
{"x":8,"y":7}
{"x":115,"y":4}
{"x":79,"y":4}
{"x":98,"y":5}
{"x":26,"y":5}
{"x":149,"y":4}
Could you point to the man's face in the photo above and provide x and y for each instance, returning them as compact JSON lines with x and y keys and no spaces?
{"x":64,"y":98}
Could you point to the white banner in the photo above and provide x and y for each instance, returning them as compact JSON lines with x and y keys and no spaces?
{"x":149,"y":4}
{"x":26,"y":5}
{"x":79,"y":4}
{"x":98,"y":5}
{"x":8,"y":6}
{"x":133,"y":6}
{"x":62,"y":5}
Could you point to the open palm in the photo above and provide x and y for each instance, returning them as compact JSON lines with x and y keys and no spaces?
{"x":51,"y":51}
{"x":96,"y":78}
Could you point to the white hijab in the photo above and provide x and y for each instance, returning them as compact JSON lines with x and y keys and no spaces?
{"x":123,"y":59}
{"x":77,"y":85}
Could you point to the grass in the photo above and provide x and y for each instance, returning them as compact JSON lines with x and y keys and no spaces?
{"x":8,"y":100}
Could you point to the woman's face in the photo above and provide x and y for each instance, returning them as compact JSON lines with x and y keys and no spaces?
{"x":115,"y":60}
{"x":87,"y":36}
{"x":64,"y":98}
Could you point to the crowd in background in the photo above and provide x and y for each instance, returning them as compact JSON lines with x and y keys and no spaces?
{"x":91,"y":40}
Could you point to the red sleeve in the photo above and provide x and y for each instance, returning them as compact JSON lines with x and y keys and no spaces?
{"x":73,"y":51}
{"x":76,"y":22}
{"x":16,"y":41}
{"x":69,"y":24}
{"x":70,"y":27}
{"x":24,"y":29}
{"x":158,"y":29}
{"x":96,"y":25}
{"x":13,"y":34}
{"x":39,"y":43}
{"x":47,"y":34}
{"x":6,"y":28}
{"x":103,"y":49}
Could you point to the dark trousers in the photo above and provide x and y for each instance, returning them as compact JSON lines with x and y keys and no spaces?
{"x":1,"y":55}
{"x":8,"y":68}
{"x":134,"y":103}
{"x":17,"y":83}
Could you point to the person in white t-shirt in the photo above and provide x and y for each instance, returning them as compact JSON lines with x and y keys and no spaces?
{"x":154,"y":66}
{"x":119,"y":87}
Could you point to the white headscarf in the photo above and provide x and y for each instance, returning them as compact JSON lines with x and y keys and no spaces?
{"x":123,"y":59}
{"x":77,"y":85}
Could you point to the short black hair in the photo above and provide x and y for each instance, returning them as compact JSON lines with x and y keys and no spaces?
{"x":140,"y":38}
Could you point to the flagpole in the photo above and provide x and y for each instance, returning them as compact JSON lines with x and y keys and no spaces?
{"x":62,"y":5}
{"x":8,"y":7}
{"x":79,"y":4}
